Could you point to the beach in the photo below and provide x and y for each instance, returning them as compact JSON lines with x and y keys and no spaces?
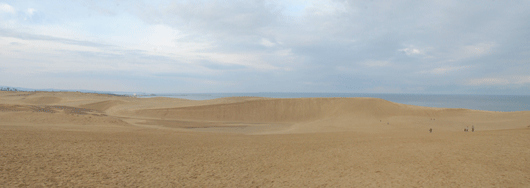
{"x":72,"y":139}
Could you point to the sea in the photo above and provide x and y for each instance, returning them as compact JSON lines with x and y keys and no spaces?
{"x":501,"y":103}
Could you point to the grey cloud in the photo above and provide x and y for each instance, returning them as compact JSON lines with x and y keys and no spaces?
{"x":357,"y":37}
{"x":363,"y":31}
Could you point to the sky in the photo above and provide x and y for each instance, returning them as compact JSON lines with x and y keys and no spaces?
{"x":423,"y":47}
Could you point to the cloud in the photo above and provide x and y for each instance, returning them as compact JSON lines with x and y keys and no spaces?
{"x":274,"y":45}
{"x":223,"y":19}
{"x":377,"y":63}
{"x":50,"y":57}
{"x":524,"y":79}
{"x":29,"y":36}
{"x":521,"y":79}
{"x":30,"y":11}
{"x":267,"y":43}
{"x":476,"y":50}
{"x":445,"y":70}
{"x":325,"y":8}
{"x":410,"y":51}
{"x":101,"y":7}
{"x":488,"y":81}
{"x":6,"y":8}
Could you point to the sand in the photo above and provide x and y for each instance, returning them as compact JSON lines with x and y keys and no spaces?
{"x":71,"y":139}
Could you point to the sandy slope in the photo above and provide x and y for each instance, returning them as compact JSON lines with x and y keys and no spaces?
{"x":73,"y":139}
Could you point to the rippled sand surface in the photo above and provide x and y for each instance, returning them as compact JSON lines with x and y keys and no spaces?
{"x":72,"y":139}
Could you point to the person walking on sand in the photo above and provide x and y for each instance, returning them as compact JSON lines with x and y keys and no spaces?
{"x":430,"y":130}
{"x":472,"y":128}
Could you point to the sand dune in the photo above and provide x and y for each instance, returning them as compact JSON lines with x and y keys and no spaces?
{"x":339,"y":114}
{"x":289,"y":110}
{"x":71,"y":139}
{"x":301,"y":115}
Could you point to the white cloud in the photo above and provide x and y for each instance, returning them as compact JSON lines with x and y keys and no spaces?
{"x":58,"y":31}
{"x":267,"y":43}
{"x":42,"y":55}
{"x":246,"y":59}
{"x":522,"y":79}
{"x":410,"y":51}
{"x":488,"y":81}
{"x":30,"y":11}
{"x":44,"y":46}
{"x":6,"y":8}
{"x":162,"y":40}
{"x":444,"y":70}
{"x":284,"y":53}
{"x":476,"y":49}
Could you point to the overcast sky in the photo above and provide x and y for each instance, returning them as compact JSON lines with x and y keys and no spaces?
{"x":435,"y":47}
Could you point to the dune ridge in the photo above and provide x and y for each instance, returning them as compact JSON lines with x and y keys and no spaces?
{"x":295,"y":110}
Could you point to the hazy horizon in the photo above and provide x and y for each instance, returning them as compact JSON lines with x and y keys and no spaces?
{"x":146,"y":93}
{"x":409,"y":47}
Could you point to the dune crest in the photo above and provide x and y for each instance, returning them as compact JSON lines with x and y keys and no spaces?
{"x":295,"y":110}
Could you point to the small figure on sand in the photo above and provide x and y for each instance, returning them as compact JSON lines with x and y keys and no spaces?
{"x":430,"y":130}
{"x":473,"y":128}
